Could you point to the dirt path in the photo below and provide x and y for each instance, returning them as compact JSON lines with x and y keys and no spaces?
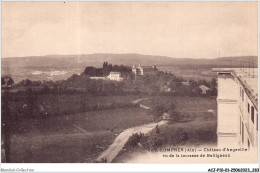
{"x":84,"y":131}
{"x":123,"y":137}
{"x":138,"y":100}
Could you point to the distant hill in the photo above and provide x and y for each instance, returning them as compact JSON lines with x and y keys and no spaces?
{"x":60,"y":61}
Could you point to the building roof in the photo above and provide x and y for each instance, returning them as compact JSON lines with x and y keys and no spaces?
{"x":147,"y":67}
{"x":114,"y":72}
{"x":248,"y":77}
{"x":185,"y":83}
{"x":204,"y":87}
{"x":144,"y":66}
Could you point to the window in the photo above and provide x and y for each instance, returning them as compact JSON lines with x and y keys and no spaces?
{"x":252,"y":114}
{"x":240,"y":126}
{"x":242,"y":95}
{"x":248,"y":108}
{"x":243,"y":133}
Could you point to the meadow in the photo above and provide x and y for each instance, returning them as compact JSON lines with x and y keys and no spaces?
{"x":197,"y":127}
{"x":82,"y":136}
{"x":186,"y":103}
{"x":192,"y":72}
{"x":66,"y":104}
{"x":72,"y":138}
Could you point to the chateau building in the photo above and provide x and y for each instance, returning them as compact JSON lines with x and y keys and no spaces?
{"x":115,"y":76}
{"x":144,"y":70}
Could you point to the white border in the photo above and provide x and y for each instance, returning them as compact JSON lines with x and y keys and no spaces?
{"x":122,"y":167}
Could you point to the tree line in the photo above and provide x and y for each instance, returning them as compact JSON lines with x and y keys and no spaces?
{"x":106,"y":69}
{"x":151,"y":84}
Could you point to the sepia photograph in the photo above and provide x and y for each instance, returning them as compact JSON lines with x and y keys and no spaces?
{"x":129,"y":82}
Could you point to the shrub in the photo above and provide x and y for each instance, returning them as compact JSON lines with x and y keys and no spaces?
{"x":157,"y":129}
{"x":134,"y":139}
{"x":177,"y":136}
{"x":157,"y":110}
{"x":153,"y":142}
{"x":205,"y":135}
{"x":169,"y":137}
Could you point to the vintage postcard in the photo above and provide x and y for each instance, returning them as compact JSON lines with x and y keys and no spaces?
{"x":129,"y":82}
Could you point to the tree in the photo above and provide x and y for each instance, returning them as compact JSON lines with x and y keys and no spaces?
{"x":10,"y":81}
{"x":173,"y":112}
{"x":157,"y":130}
{"x":7,"y":80}
{"x":31,"y":102}
{"x":27,"y":82}
{"x":2,"y":81}
{"x":110,"y":67}
{"x":92,"y":71}
{"x":203,"y":82}
{"x":171,"y":106}
{"x":105,"y":69}
{"x":6,"y":125}
{"x":213,"y":83}
{"x":157,"y":110}
{"x":134,"y":139}
{"x":193,"y":84}
{"x":46,"y":89}
{"x":214,"y":92}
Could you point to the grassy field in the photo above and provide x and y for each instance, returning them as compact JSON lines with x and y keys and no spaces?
{"x":117,"y":119}
{"x":66,"y":104}
{"x":199,"y":125}
{"x":189,"y":103}
{"x":185,"y":103}
{"x":59,"y":148}
{"x":190,"y":73}
{"x":73,"y":138}
{"x":81,"y":137}
{"x":194,"y":112}
{"x":200,"y":132}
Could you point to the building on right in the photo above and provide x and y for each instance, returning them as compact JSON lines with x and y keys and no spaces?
{"x":237,"y":107}
{"x":141,"y":70}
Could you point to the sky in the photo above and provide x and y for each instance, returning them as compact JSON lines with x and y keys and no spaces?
{"x":175,"y":29}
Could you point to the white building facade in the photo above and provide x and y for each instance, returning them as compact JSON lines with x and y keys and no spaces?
{"x":144,"y":70}
{"x":237,"y":108}
{"x":115,"y":76}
